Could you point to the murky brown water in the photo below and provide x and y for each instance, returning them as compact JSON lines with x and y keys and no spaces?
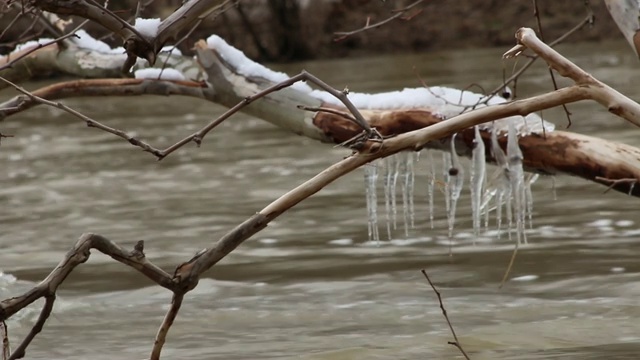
{"x":311,"y":286}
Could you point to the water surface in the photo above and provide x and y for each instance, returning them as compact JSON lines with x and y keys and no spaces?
{"x":311,"y":286}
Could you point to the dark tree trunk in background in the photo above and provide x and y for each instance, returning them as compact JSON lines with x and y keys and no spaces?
{"x":288,"y":34}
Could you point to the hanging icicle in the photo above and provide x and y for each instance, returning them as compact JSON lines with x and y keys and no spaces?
{"x":456,"y":179}
{"x":370,"y":179}
{"x":405,"y":177}
{"x":431,"y":186}
{"x":478,"y":175}
{"x":501,"y":178}
{"x":516,"y":180}
{"x":389,"y":170}
{"x":528,"y":182}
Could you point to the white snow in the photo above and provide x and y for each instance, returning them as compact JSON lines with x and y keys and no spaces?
{"x":147,"y":27}
{"x":86,"y":41}
{"x":29,"y":44}
{"x":447,"y":102}
{"x":444,"y":101}
{"x":247,"y":67}
{"x":157,"y":73}
{"x":174,"y":51}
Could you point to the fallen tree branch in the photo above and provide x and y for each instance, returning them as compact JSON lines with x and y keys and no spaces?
{"x":135,"y":43}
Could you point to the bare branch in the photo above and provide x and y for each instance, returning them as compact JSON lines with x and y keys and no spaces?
{"x":89,"y":121}
{"x":456,"y":342}
{"x":77,"y":255}
{"x":105,"y":87}
{"x":608,"y":97}
{"x":161,"y":336}
{"x":20,"y":351}
{"x":397,"y":14}
{"x":4,"y":334}
{"x":536,"y":14}
{"x":630,"y":182}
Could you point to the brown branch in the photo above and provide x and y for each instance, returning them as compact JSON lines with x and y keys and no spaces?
{"x":536,"y":13}
{"x":4,"y":334}
{"x":89,"y":121}
{"x":77,"y":255}
{"x":456,"y":342}
{"x":169,"y":318}
{"x":105,"y":87}
{"x":397,"y":14}
{"x":20,"y":351}
{"x":588,"y":20}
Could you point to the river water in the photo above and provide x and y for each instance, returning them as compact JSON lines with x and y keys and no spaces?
{"x":311,"y":286}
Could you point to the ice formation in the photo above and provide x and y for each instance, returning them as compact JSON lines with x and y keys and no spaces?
{"x":477,"y":179}
{"x":370,"y":180}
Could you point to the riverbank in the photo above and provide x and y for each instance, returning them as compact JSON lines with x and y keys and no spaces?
{"x":287,"y":30}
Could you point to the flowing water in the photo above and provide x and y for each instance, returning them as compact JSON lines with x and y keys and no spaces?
{"x":311,"y":286}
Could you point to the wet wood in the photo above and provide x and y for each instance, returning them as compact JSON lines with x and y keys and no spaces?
{"x":553,"y":153}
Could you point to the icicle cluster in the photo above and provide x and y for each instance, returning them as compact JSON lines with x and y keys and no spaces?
{"x":508,"y":189}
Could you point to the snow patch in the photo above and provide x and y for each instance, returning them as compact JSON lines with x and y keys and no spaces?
{"x":147,"y":27}
{"x":445,"y":101}
{"x":247,"y":67}
{"x":170,"y":48}
{"x":31,"y":43}
{"x":156,"y":73}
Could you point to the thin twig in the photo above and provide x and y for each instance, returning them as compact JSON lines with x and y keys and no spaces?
{"x":303,"y":76}
{"x":456,"y":342}
{"x":37,"y":47}
{"x":89,"y":121}
{"x":536,"y":13}
{"x":613,"y":182}
{"x":587,"y":20}
{"x":4,"y":136}
{"x":121,"y":20}
{"x":397,"y":14}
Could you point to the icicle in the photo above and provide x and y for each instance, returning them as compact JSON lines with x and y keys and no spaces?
{"x":394,"y":182}
{"x":456,"y":179}
{"x":389,"y":168}
{"x":404,"y":172}
{"x":370,"y":179}
{"x":516,"y":179}
{"x":501,"y":178}
{"x":478,"y":174}
{"x":446,"y":163}
{"x":412,"y":180}
{"x":432,"y":184}
{"x":529,"y":196}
